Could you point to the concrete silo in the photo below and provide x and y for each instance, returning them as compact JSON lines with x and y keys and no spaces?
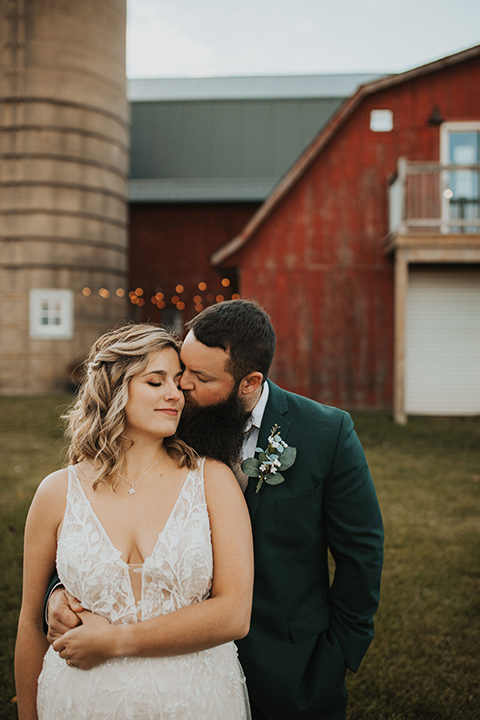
{"x":63,"y":177}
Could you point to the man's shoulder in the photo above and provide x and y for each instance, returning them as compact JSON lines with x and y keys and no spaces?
{"x":295,"y":403}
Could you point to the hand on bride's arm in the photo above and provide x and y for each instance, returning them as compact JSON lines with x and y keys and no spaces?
{"x":63,"y":613}
{"x":89,"y":644}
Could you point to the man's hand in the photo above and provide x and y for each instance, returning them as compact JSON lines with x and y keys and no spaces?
{"x":63,"y":611}
{"x":89,"y":645}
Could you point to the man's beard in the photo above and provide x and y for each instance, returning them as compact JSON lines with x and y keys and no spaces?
{"x":215,"y":431}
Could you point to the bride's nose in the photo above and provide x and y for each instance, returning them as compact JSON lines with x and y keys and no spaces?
{"x":174,"y":394}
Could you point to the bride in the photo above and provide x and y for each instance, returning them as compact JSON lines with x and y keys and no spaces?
{"x":141,"y":530}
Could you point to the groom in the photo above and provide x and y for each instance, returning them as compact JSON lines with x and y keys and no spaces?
{"x":305,"y":631}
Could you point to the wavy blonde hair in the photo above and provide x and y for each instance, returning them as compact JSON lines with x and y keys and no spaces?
{"x":96,"y":421}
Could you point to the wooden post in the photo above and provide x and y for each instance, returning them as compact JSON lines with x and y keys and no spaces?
{"x":400,"y":298}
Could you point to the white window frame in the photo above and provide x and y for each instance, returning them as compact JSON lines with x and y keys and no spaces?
{"x":56,"y":308}
{"x":445,"y":129}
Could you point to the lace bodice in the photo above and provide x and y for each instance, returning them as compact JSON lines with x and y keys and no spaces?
{"x":206,"y":684}
{"x":176,"y":574}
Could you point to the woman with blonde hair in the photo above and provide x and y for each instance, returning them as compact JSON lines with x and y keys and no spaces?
{"x":141,"y":531}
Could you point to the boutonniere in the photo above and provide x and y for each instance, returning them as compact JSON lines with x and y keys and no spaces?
{"x":278,"y":456}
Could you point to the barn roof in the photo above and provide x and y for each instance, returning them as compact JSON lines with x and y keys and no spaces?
{"x":246,"y":88}
{"x":221,"y":139}
{"x":329,"y":130}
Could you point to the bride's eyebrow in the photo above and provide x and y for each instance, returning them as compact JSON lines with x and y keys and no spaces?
{"x":163,"y":373}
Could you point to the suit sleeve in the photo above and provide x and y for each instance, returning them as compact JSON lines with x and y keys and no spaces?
{"x":354,"y":530}
{"x":53,"y":584}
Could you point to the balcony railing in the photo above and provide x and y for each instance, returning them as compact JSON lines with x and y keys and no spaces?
{"x":433,"y":198}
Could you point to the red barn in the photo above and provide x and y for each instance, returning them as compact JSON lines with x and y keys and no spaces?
{"x":205,"y":154}
{"x":367,"y":252}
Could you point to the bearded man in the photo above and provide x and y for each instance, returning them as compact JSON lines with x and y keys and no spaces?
{"x":306,"y":628}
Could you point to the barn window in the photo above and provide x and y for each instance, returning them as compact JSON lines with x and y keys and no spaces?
{"x":381,"y":120}
{"x":51,"y":314}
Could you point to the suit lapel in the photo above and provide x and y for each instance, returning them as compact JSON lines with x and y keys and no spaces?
{"x":277,"y":406}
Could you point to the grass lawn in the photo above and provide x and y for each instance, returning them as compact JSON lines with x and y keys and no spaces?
{"x":424,"y":663}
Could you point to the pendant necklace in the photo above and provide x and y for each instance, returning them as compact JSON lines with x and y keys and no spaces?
{"x":131,"y":490}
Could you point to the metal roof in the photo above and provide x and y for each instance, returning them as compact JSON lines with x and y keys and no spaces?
{"x":246,"y":88}
{"x":219,"y":139}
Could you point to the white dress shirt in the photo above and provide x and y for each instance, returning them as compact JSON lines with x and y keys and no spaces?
{"x":252,"y":428}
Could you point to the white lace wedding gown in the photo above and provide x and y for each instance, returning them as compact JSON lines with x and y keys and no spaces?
{"x":207,"y":685}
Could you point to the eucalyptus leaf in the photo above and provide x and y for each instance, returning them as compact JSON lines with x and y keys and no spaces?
{"x":288,"y":457}
{"x":275,"y":479}
{"x":250,"y":467}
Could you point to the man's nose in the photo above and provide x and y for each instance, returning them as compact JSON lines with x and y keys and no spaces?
{"x":186,"y":381}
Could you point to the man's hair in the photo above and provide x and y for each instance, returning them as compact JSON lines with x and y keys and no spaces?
{"x":243,"y":329}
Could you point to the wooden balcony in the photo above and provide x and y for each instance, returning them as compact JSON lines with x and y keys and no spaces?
{"x":434,"y":219}
{"x":434,"y":212}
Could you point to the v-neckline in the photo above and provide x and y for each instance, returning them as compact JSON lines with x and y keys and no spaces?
{"x":107,"y":536}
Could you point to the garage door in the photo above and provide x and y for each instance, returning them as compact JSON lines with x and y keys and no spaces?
{"x":442,"y":363}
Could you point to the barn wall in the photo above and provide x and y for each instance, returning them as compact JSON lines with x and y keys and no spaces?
{"x":324,"y":277}
{"x":170,"y":245}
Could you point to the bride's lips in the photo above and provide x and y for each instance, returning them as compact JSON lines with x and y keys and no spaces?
{"x":173,"y":412}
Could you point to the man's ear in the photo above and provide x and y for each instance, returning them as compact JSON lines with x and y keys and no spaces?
{"x":251,"y":383}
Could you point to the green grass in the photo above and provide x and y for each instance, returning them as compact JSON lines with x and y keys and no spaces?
{"x":424,"y":662}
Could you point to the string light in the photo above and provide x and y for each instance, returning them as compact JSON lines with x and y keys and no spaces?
{"x":158,"y":299}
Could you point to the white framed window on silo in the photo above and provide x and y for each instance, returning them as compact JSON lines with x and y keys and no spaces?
{"x":51,"y":314}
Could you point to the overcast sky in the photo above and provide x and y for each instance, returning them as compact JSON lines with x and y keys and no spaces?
{"x":194,"y":38}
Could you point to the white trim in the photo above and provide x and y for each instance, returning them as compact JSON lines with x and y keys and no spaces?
{"x":51,"y":314}
{"x":445,"y":131}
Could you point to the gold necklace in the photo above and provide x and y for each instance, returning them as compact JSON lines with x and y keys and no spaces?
{"x":131,"y":490}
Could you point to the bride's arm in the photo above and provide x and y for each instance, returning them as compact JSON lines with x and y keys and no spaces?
{"x":224,"y":616}
{"x":40,"y":546}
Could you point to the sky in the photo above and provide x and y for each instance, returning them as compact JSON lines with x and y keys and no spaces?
{"x":205,"y":38}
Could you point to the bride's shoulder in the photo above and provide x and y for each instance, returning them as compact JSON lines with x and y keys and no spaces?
{"x":218,"y":477}
{"x":54,"y":483}
{"x":215,"y":468}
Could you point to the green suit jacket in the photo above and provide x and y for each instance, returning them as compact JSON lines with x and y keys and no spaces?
{"x":306,"y":629}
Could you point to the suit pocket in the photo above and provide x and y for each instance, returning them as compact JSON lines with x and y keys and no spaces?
{"x":309,"y":625}
{"x":298,"y":501}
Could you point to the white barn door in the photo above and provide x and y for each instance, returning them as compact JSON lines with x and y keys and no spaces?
{"x":442,"y":344}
